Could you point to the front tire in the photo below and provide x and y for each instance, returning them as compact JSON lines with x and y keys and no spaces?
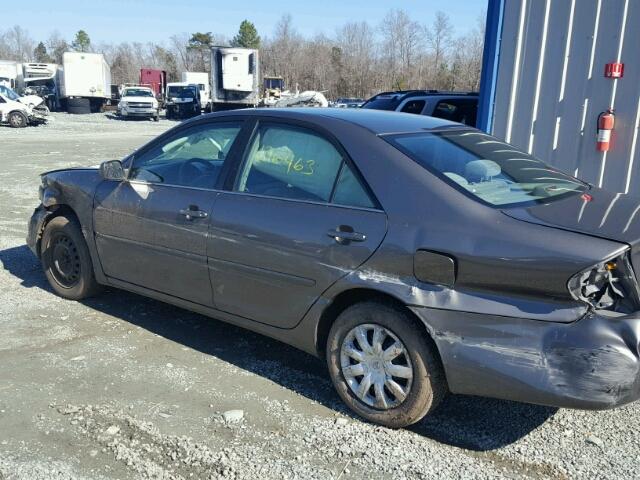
{"x":66,"y":260}
{"x":18,"y":120}
{"x":383,"y":366}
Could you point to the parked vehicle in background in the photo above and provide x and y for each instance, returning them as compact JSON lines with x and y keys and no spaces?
{"x":16,"y":113}
{"x":10,"y":74}
{"x":201,"y":79}
{"x":182,"y":100}
{"x":41,"y":79}
{"x":234,"y":78}
{"x":273,"y":87}
{"x":84,"y":82}
{"x":348,"y":103}
{"x":459,"y":107}
{"x":156,"y":80}
{"x":31,"y":101}
{"x":139,"y":102}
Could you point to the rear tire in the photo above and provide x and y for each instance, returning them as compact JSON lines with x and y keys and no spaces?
{"x":396,"y":388}
{"x":18,"y":120}
{"x":66,"y":260}
{"x":78,"y":106}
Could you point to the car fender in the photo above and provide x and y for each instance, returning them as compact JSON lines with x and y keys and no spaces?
{"x":74,"y":190}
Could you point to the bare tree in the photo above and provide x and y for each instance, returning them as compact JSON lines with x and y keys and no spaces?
{"x":358,"y":60}
{"x":16,"y":44}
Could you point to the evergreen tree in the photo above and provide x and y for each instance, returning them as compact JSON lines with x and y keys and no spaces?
{"x":201,"y":44}
{"x":247,"y":36}
{"x":82,"y":42}
{"x":40,"y":54}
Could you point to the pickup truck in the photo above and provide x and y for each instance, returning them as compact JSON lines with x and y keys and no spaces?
{"x":138,"y":102}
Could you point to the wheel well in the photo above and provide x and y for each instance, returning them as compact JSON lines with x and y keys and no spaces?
{"x":57,"y":211}
{"x":350,"y":297}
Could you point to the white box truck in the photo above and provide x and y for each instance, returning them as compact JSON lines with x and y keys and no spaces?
{"x":84,"y":82}
{"x":202,"y":80}
{"x":235,"y":79}
{"x":11,"y":74}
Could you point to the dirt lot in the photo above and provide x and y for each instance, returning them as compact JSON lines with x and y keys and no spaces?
{"x":124,"y":387}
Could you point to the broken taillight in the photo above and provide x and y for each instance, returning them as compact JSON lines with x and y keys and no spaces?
{"x":609,"y":285}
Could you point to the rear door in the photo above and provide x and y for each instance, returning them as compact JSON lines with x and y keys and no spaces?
{"x":151,"y":230}
{"x":298,"y":219}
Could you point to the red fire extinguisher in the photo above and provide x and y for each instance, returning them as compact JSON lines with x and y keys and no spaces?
{"x":606,"y":122}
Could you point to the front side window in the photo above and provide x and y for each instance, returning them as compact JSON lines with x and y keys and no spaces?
{"x":191,"y":158}
{"x":293,"y":163}
{"x":487,"y":169}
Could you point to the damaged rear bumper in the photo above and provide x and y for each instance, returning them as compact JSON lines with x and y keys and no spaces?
{"x":592,"y":363}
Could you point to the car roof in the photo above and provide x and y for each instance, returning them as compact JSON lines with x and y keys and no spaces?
{"x":425,"y":93}
{"x":378,"y":122}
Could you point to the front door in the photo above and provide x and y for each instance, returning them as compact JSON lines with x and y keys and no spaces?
{"x":151,"y":230}
{"x":298,"y":220}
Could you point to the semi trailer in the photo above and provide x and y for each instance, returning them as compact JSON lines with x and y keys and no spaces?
{"x":84,"y":82}
{"x":234,"y":78}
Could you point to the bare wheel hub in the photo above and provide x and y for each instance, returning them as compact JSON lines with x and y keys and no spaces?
{"x":376,"y":366}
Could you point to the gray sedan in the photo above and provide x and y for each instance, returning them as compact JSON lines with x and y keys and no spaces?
{"x":416,"y":255}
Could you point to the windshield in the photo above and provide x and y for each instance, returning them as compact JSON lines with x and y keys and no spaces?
{"x":10,"y":94}
{"x":181,"y":92}
{"x":383,"y":102}
{"x":485,"y":168}
{"x":137,"y":92}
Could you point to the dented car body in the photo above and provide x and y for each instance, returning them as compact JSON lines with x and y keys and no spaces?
{"x":522,"y":276}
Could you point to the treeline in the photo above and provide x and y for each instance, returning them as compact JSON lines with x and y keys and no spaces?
{"x":358,"y":60}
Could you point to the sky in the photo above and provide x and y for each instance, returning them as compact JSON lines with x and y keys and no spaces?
{"x":115,"y":21}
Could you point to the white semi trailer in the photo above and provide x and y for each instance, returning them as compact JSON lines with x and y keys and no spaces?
{"x":204,"y":85}
{"x":235,"y":79}
{"x":11,"y":74}
{"x":84,"y":82}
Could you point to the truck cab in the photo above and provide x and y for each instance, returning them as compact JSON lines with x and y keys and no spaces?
{"x":183,"y":100}
{"x":201,"y":79}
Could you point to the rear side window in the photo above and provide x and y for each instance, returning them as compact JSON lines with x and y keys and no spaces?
{"x":414,"y":106}
{"x":349,"y":190}
{"x":461,"y":111}
{"x":299,"y":164}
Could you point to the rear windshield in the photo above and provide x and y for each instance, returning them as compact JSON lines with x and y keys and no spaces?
{"x":487,"y":169}
{"x":383,"y":102}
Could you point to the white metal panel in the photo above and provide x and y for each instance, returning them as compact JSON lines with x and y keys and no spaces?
{"x":551,"y":85}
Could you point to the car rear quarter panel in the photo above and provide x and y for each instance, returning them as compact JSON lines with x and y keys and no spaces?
{"x":503,"y":266}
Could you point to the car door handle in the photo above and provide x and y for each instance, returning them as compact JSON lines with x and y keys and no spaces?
{"x":193,"y":212}
{"x":342,"y":235}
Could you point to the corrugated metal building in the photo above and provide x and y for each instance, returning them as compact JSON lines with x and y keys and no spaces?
{"x":544,"y":84}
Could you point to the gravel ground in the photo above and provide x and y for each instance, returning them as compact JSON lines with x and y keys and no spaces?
{"x":125,"y":387}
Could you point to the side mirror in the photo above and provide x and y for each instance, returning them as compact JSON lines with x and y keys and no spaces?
{"x":112,"y":170}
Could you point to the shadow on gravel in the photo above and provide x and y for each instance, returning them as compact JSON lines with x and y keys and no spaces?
{"x":468,"y":422}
